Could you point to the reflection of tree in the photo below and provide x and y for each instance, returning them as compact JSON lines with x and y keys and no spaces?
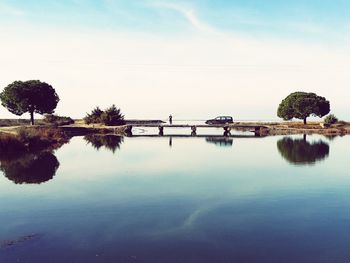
{"x":110,"y":142}
{"x":300,"y":151}
{"x":331,"y":137}
{"x":220,"y":141}
{"x":30,"y":168}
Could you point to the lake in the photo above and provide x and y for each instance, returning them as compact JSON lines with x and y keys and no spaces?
{"x":179,"y":199}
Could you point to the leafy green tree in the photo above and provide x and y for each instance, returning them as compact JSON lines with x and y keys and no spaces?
{"x":301,"y":105}
{"x":31,"y":96}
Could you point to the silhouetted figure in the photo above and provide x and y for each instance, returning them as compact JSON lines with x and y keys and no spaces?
{"x":170,"y":119}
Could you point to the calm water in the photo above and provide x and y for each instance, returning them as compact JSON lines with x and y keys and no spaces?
{"x":179,"y":199}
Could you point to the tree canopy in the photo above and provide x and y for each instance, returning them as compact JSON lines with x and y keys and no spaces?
{"x":31,"y":96}
{"x":301,"y":105}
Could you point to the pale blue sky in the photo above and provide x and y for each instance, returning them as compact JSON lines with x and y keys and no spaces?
{"x":146,"y":56}
{"x":298,"y":18}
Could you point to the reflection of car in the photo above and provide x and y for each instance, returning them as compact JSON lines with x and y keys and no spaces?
{"x":220,"y":120}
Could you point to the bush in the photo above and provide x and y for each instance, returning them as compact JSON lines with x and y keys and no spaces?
{"x":330,"y":119}
{"x":110,"y":117}
{"x":57,"y":120}
{"x":94,"y":116}
{"x":39,"y":138}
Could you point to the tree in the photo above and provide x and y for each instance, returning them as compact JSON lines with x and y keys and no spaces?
{"x":31,"y":96}
{"x":301,"y":105}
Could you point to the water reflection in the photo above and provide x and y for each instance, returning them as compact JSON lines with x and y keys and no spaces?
{"x":220,"y":141}
{"x":170,"y":141}
{"x":331,"y":137}
{"x":30,"y":168}
{"x":110,"y":142}
{"x":300,"y":151}
{"x":153,"y":204}
{"x":225,"y":140}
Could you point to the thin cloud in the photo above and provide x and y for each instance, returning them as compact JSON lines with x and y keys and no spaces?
{"x":189,"y":14}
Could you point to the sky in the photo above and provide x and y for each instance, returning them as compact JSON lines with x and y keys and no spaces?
{"x":194,"y":59}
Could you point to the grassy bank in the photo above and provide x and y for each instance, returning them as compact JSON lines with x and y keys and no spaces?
{"x":285,"y":128}
{"x":31,"y":139}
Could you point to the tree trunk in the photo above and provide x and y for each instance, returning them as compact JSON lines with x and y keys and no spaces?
{"x":32,"y":117}
{"x":305,"y":120}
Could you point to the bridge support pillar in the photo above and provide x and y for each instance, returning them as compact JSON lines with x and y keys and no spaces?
{"x":161,"y":130}
{"x":257,"y":131}
{"x":194,"y":130}
{"x":128,"y":129}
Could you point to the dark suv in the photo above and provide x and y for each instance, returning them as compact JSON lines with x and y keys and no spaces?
{"x":220,"y":120}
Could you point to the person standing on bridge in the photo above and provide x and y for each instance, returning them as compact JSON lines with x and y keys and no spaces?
{"x":170,"y":119}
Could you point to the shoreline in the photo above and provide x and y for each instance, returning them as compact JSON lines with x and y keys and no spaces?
{"x":269,"y":129}
{"x":276,"y":128}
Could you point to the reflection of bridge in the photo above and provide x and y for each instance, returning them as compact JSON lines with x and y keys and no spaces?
{"x":257,"y":129}
{"x":219,"y":140}
{"x":196,"y":136}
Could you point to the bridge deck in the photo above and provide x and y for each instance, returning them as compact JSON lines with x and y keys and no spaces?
{"x":257,"y":129}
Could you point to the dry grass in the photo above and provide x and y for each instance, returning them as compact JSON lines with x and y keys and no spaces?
{"x":41,"y":136}
{"x":10,"y":146}
{"x":31,"y":140}
{"x":18,"y":122}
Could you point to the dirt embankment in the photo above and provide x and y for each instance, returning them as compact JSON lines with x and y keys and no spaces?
{"x":285,"y":128}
